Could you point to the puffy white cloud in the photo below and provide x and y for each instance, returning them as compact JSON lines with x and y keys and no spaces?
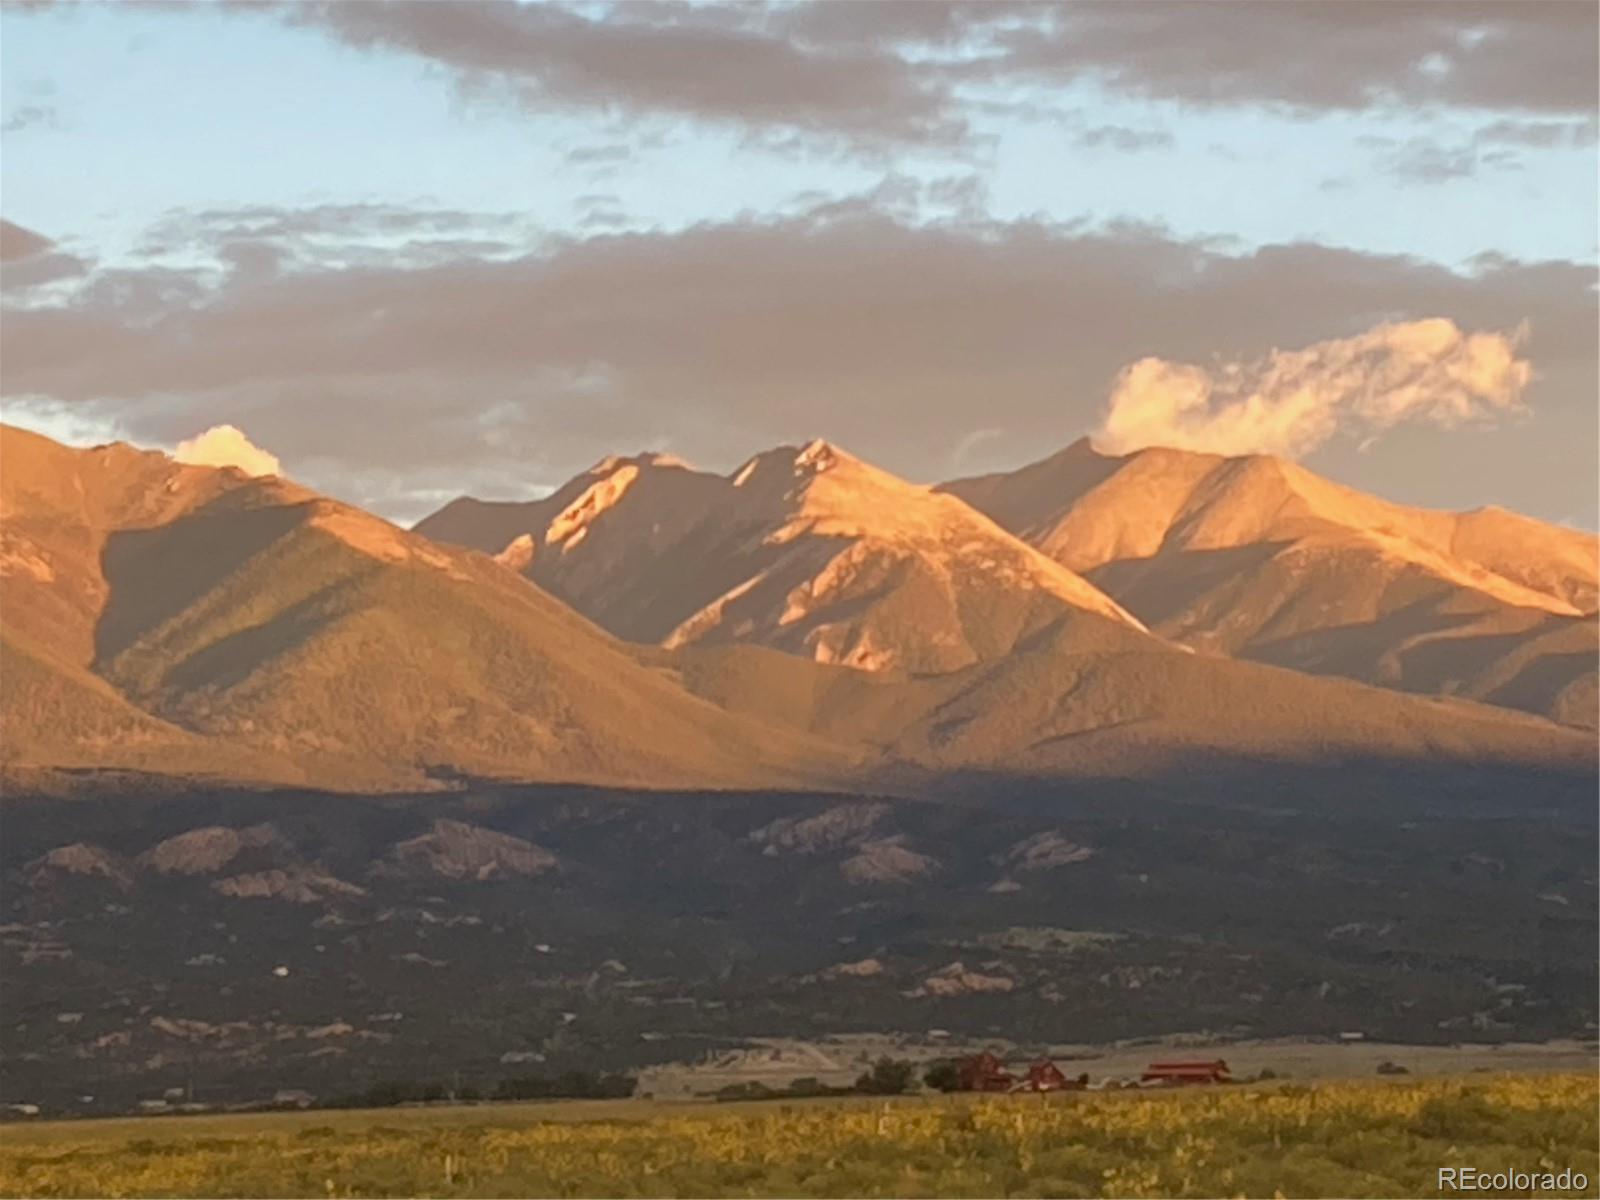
{"x":227,"y":446}
{"x":1290,"y":402}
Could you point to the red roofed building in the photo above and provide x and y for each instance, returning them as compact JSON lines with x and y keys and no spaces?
{"x":1045,"y":1076}
{"x":1187,"y":1071}
{"x":984,"y":1073}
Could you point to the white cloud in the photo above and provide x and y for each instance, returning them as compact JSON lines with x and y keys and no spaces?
{"x":227,"y":446}
{"x":1290,"y":402}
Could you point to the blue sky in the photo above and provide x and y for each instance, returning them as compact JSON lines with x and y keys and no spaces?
{"x":196,"y":109}
{"x":122,"y":122}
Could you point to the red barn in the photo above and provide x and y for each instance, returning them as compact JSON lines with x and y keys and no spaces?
{"x":983,"y":1073}
{"x":1045,"y":1076}
{"x":1187,"y":1071}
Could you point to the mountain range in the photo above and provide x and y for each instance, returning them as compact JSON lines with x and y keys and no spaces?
{"x":1258,"y":558}
{"x":183,"y":620}
{"x":806,"y":620}
{"x":669,"y":760}
{"x":807,"y":550}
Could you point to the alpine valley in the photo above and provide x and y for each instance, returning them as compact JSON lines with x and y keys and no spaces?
{"x":667,"y":760}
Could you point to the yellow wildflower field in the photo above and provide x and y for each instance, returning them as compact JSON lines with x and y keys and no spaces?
{"x":1367,"y":1138}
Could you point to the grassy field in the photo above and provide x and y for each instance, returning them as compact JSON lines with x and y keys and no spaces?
{"x":1369,"y":1138}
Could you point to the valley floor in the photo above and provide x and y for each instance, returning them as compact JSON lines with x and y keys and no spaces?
{"x":1349,"y":1138}
{"x":777,"y":1062}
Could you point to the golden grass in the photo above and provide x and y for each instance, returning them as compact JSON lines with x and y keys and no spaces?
{"x":1334,"y":1139}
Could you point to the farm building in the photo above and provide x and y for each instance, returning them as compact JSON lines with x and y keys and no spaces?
{"x":1045,"y":1076}
{"x":984,"y":1073}
{"x":1187,"y":1072}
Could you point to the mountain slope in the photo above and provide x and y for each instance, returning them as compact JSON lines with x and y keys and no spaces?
{"x":1261,"y":559}
{"x":59,"y":507}
{"x":55,"y":716}
{"x":200,"y":623}
{"x":220,"y":618}
{"x":1068,"y":705}
{"x":807,"y":550}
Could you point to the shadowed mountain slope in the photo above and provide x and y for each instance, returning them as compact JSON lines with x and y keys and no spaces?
{"x":1261,"y":559}
{"x":1066,"y":705}
{"x":197,"y":614}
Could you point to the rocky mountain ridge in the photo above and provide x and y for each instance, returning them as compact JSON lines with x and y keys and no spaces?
{"x":1258,"y":558}
{"x":815,"y":622}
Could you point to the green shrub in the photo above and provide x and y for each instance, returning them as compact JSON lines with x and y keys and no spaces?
{"x":888,"y":1077}
{"x":570,"y":1085}
{"x":745,"y":1091}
